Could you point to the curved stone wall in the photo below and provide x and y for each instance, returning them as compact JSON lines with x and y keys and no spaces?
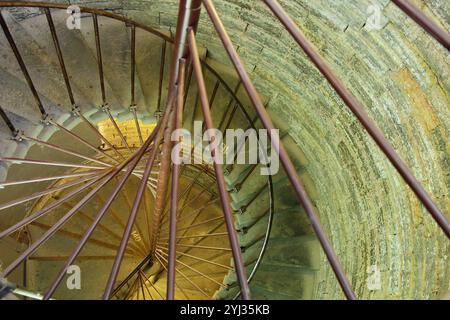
{"x":401,"y":75}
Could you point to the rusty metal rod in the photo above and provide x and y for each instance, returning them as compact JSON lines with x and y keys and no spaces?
{"x":203,"y":247}
{"x":99,"y":58}
{"x":133,"y":65}
{"x":44,"y":192}
{"x":136,"y":123}
{"x":109,"y":287}
{"x":143,"y":263}
{"x":82,"y":140}
{"x":224,"y":116}
{"x":142,"y":287}
{"x":284,"y":157}
{"x":213,"y":94}
{"x":64,"y":258}
{"x":218,"y":234}
{"x":138,"y":228}
{"x":64,"y":150}
{"x":181,"y":253}
{"x":164,"y":173}
{"x":21,"y":63}
{"x":128,"y":229}
{"x":188,"y":16}
{"x":49,"y":163}
{"x":202,"y":274}
{"x":108,"y":231}
{"x":8,"y":122}
{"x":74,"y":235}
{"x":358,"y":110}
{"x":188,"y":85}
{"x":98,"y":12}
{"x":51,"y":26}
{"x":224,"y":197}
{"x":151,"y":284}
{"x":425,"y":22}
{"x":175,"y":185}
{"x":161,"y":75}
{"x":55,"y":227}
{"x":160,"y":256}
{"x":133,"y":214}
{"x":50,"y":207}
{"x":116,"y":126}
{"x":136,"y":158}
{"x":200,"y":223}
{"x":43,"y":179}
{"x":110,"y":174}
{"x":95,"y":130}
{"x":146,"y":287}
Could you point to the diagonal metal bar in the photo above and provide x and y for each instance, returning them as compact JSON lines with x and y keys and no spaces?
{"x":151,"y":284}
{"x":99,"y":58}
{"x":141,"y":284}
{"x":136,"y":123}
{"x":44,"y":192}
{"x":61,"y":149}
{"x":146,"y":261}
{"x":181,"y":253}
{"x":188,"y":16}
{"x":133,"y":214}
{"x":425,"y":22}
{"x":64,"y":258}
{"x":108,"y":231}
{"x":133,"y":65}
{"x":146,"y":287}
{"x":224,"y":197}
{"x":55,"y":227}
{"x":104,"y":13}
{"x":232,"y":99}
{"x":8,"y":122}
{"x":161,"y":75}
{"x":82,"y":140}
{"x":104,"y":180}
{"x":194,"y":270}
{"x":136,"y":158}
{"x":51,"y":26}
{"x":50,"y":207}
{"x":21,"y":63}
{"x":163,"y":176}
{"x":160,"y":256}
{"x":49,"y":163}
{"x":131,"y":289}
{"x":77,"y":236}
{"x":218,"y":234}
{"x":138,"y":228}
{"x":284,"y":157}
{"x":95,"y":130}
{"x":175,"y":186}
{"x":43,"y":179}
{"x":357,"y":109}
{"x":116,"y":126}
{"x":128,"y":229}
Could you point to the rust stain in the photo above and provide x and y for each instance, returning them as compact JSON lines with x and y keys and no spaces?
{"x":422,"y":110}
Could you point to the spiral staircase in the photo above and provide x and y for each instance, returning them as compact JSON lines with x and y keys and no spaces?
{"x":76,"y":103}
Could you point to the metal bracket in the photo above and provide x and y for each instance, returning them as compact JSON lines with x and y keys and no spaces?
{"x":105,"y":108}
{"x":76,"y":111}
{"x":46,"y":119}
{"x":18,"y":136}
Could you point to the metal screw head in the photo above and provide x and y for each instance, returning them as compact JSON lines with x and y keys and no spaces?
{"x":75,"y":110}
{"x":157,"y":114}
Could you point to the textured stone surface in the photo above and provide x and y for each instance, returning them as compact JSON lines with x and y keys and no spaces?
{"x":401,"y":75}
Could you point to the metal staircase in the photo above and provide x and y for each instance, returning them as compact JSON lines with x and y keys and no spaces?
{"x":87,"y":177}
